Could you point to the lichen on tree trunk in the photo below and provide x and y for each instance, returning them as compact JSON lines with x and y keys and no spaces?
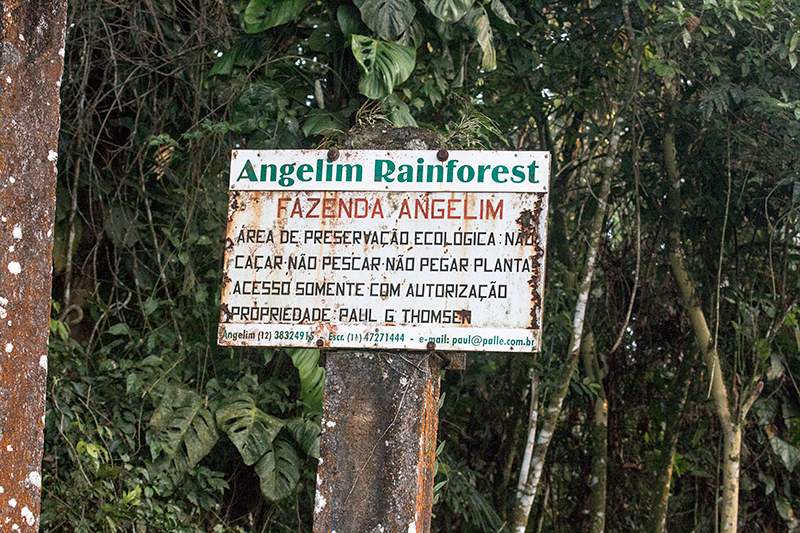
{"x":31,"y":64}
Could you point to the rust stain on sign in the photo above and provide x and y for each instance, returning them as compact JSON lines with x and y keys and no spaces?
{"x":31,"y":64}
{"x":529,"y":223}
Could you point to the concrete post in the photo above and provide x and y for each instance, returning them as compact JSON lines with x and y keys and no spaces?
{"x":380,"y":416}
{"x":31,"y":64}
{"x":378,"y":445}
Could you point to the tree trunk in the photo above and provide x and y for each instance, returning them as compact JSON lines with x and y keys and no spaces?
{"x":666,"y":464}
{"x":31,"y":64}
{"x":378,"y":443}
{"x":380,"y":415}
{"x":598,"y":437}
{"x":731,"y":448}
{"x":537,"y":444}
{"x":730,"y":417}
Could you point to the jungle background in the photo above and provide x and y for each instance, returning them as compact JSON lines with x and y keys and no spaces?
{"x":666,"y":396}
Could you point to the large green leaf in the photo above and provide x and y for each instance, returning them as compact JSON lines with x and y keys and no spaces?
{"x":306,"y":433}
{"x":312,"y":377}
{"x":478,"y":23}
{"x":387,"y":18}
{"x":790,"y":455}
{"x":225,"y":63}
{"x":200,"y":437}
{"x":250,"y":429}
{"x":260,"y":15}
{"x":499,"y":9}
{"x":321,"y":122}
{"x":279,"y":470}
{"x":325,"y":38}
{"x":399,"y":113}
{"x":349,"y":19}
{"x":448,"y":10}
{"x":182,"y":428}
{"x":383,"y":65}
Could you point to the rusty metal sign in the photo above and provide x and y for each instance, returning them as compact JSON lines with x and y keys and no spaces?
{"x":375,"y":249}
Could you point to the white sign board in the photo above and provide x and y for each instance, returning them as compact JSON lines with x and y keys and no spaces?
{"x":378,"y":249}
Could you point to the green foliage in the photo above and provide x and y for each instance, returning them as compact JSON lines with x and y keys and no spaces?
{"x":477,"y":20}
{"x":312,"y":377}
{"x":388,"y":39}
{"x":182,"y":429}
{"x":146,"y":415}
{"x":250,"y":429}
{"x":306,"y":432}
{"x":449,"y":10}
{"x":460,"y":496}
{"x":383,"y":65}
{"x":260,"y":15}
{"x":151,"y":426}
{"x":788,"y":454}
{"x":279,"y":469}
{"x":387,"y":18}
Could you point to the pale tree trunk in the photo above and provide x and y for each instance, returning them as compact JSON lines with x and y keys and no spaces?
{"x":666,"y":464}
{"x":537,"y":443}
{"x":598,"y":438}
{"x":731,"y":416}
{"x":731,"y":449}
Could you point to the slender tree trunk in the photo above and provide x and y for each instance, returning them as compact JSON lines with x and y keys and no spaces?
{"x":731,"y":448}
{"x":537,"y":444}
{"x":599,"y":438}
{"x":731,"y":417}
{"x":666,"y":464}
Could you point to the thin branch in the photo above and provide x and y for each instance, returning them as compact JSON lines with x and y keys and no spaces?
{"x":638,"y":245}
{"x":722,"y":246}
